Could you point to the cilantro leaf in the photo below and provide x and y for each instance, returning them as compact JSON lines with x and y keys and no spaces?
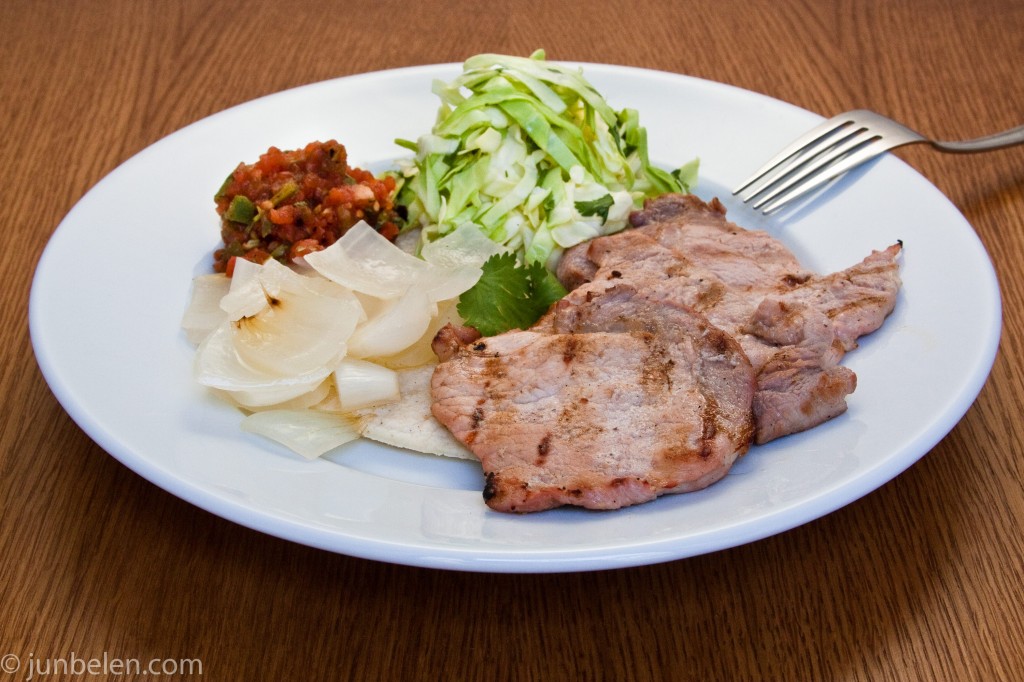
{"x":598,"y":206}
{"x":508,"y":295}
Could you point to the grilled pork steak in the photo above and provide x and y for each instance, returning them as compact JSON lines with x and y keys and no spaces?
{"x":794,"y":325}
{"x":682,"y":340}
{"x":604,"y":416}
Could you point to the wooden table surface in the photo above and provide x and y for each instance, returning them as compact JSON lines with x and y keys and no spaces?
{"x":921,"y":580}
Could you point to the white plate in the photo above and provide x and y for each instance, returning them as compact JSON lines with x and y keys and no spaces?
{"x":111,"y":286}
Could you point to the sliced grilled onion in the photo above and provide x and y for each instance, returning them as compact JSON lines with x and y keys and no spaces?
{"x":456,"y":261}
{"x":368,"y":263}
{"x":365,"y":261}
{"x":362,"y":384}
{"x":204,"y":313}
{"x":421,"y":351}
{"x":444,"y":285}
{"x":273,"y":336}
{"x":218,"y":366}
{"x":395,"y":328}
{"x":303,"y":325}
{"x":245,"y":297}
{"x":310,"y":433}
{"x":257,"y":400}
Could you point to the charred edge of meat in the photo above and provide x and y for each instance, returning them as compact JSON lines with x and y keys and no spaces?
{"x":490,"y":488}
{"x":450,"y":338}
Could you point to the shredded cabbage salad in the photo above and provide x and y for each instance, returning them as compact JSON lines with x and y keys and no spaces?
{"x":533,"y":156}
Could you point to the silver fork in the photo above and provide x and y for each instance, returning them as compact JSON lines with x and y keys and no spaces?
{"x":840,"y":144}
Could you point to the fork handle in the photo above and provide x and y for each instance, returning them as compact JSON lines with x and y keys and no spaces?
{"x":1007,"y":138}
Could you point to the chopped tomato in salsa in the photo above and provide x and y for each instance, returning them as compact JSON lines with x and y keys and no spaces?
{"x":290,"y":203}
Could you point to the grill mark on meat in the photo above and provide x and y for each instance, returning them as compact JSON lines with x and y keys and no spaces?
{"x":494,"y":369}
{"x":830,"y":385}
{"x":709,"y":422}
{"x":656,"y":374}
{"x":543,"y":448}
{"x":710,"y":294}
{"x":569,"y":349}
{"x":718,"y":339}
{"x":477,"y":418}
{"x":863,"y":303}
{"x":677,"y":270}
{"x":576,"y":421}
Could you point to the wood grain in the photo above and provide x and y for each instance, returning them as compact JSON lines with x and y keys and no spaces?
{"x":920,"y":580}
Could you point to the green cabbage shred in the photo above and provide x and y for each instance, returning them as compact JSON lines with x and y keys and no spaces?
{"x":533,"y":156}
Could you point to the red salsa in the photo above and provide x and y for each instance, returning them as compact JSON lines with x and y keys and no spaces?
{"x":290,"y":203}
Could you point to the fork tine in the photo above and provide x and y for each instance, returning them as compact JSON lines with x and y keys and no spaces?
{"x":868,"y":151}
{"x":815,"y":162}
{"x":799,"y":159}
{"x":823,"y":130}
